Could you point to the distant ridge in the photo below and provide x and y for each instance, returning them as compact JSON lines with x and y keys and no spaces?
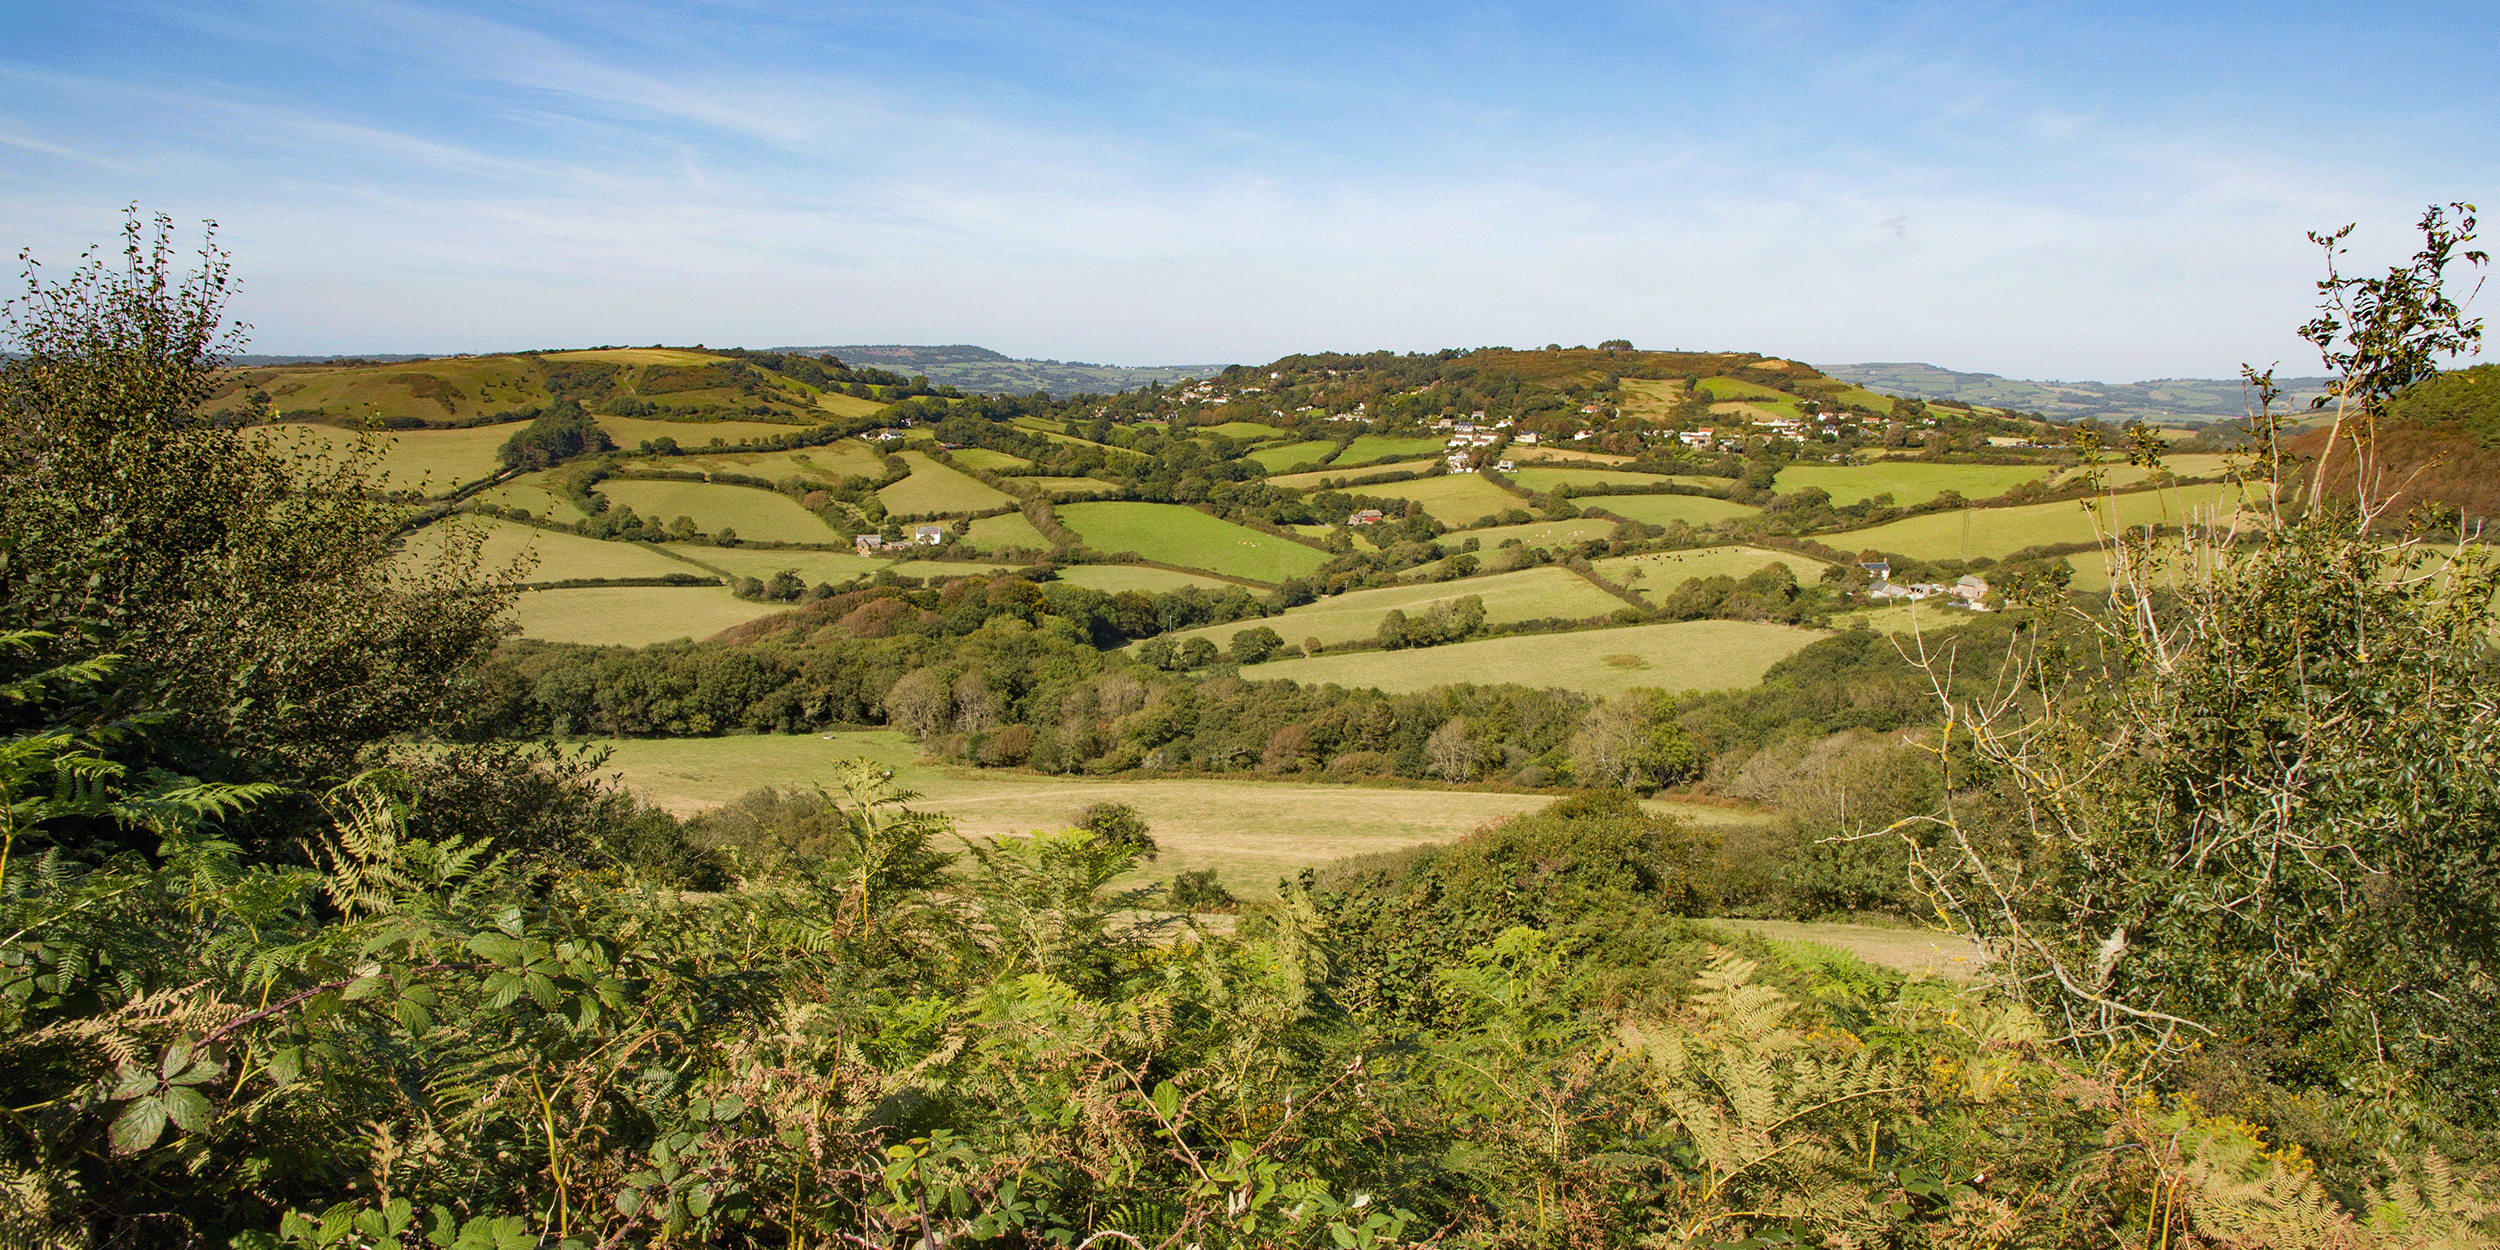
{"x":2188,"y":401}
{"x":978,"y":369}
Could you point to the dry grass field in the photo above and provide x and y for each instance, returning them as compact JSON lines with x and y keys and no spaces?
{"x":935,"y":490}
{"x":1909,"y":482}
{"x":1111,"y":579}
{"x":1527,"y":595}
{"x":694,"y":436}
{"x":1918,"y":952}
{"x":437,"y":461}
{"x":1250,"y":832}
{"x":1661,"y":571}
{"x":533,"y":493}
{"x":1345,"y":468}
{"x":1688,"y":655}
{"x":758,"y":514}
{"x":632,"y":616}
{"x":556,"y":557}
{"x":1172,"y":534}
{"x":1538,"y":478}
{"x":829,"y":463}
{"x":1999,"y":532}
{"x":1065,"y":486}
{"x":829,"y":567}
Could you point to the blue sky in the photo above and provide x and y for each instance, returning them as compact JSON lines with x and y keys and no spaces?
{"x":2106,"y":190}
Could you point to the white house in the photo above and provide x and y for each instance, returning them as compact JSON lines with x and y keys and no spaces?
{"x":928,"y":535}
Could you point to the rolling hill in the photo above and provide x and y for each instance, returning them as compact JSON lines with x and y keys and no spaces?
{"x":2160,"y":401}
{"x":982,"y":371}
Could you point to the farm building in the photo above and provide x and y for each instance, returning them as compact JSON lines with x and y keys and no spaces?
{"x":1368,"y":516}
{"x":928,"y":535}
{"x":866,"y":543}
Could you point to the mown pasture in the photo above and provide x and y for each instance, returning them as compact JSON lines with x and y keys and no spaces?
{"x":992,"y":461}
{"x":1370,"y":447}
{"x":1007,"y":529}
{"x":1453,"y":499}
{"x":1251,"y":832}
{"x":757,"y":514}
{"x":1279,"y":459}
{"x":1666,"y":570}
{"x":1527,"y":595}
{"x":534,"y":493}
{"x":553,"y":556}
{"x":437,"y":461}
{"x":1172,"y":534}
{"x":1240,"y":431}
{"x":827,"y":464}
{"x":632,"y":616}
{"x":1540,"y":478}
{"x":694,"y":436}
{"x":1345,"y":469}
{"x":1532,"y":534}
{"x":1111,"y":579}
{"x":1908,"y":481}
{"x":1061,"y":486}
{"x":1687,"y":655}
{"x":831,"y":568}
{"x":935,"y":490}
{"x":1999,"y":532}
{"x":1693,"y":510}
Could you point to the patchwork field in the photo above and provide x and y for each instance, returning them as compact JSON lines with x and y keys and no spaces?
{"x":1688,"y":655}
{"x":1532,"y":534}
{"x":1345,"y":468}
{"x":1372,"y":447}
{"x":1250,"y":832}
{"x":1007,"y":529}
{"x":531,"y":492}
{"x":632,"y":432}
{"x":1666,"y":570}
{"x":438,"y":461}
{"x":935,"y":490}
{"x":1544,"y":479}
{"x":1660,"y":509}
{"x":1909,"y":482}
{"x":1999,"y":532}
{"x":2183,"y":468}
{"x":1455,"y":499}
{"x":632,"y":616}
{"x":1172,"y":534}
{"x":1564,"y":451}
{"x":832,"y":568}
{"x":1527,"y":595}
{"x":994,"y":461}
{"x":1242,"y":431}
{"x":757,"y":515}
{"x":1062,"y":486}
{"x":557,"y":557}
{"x":829,"y":463}
{"x":1111,"y":579}
{"x":1279,"y":459}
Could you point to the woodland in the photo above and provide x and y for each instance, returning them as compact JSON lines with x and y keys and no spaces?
{"x":316,"y":936}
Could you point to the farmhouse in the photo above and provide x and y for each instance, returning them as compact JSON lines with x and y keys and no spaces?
{"x":928,"y":535}
{"x":866,"y":543}
{"x":1368,"y":516}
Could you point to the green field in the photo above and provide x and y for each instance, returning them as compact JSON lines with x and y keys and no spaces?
{"x":436,"y":460}
{"x":1538,"y":478}
{"x":935,"y":490}
{"x":1527,"y":595}
{"x":1172,"y":534}
{"x":829,"y":567}
{"x":1732,"y":388}
{"x":1250,"y":832}
{"x":829,"y":463}
{"x":1999,"y":532}
{"x":1279,"y":459}
{"x":1909,"y":482}
{"x":1453,"y":499}
{"x":633,"y":616}
{"x":758,"y":515}
{"x":531,"y":491}
{"x":1111,"y":579}
{"x":1007,"y":529}
{"x":1241,"y":431}
{"x":1372,"y":447}
{"x":1344,"y":469}
{"x":1532,"y":534}
{"x":558,"y":557}
{"x":994,"y":461}
{"x":1693,"y":510}
{"x":2182,"y":468}
{"x":1665,"y":570}
{"x":1688,"y":655}
{"x":1062,"y":486}
{"x":632,"y":432}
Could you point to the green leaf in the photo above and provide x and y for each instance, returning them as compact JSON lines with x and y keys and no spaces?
{"x":363,"y":988}
{"x":189,"y":1109}
{"x":1167,"y":1099}
{"x":138,"y":1126}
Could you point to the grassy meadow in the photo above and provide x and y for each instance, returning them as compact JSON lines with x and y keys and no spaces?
{"x":632,"y":432}
{"x":1540,"y":478}
{"x":1007,"y":529}
{"x":992,"y":461}
{"x":1172,"y":534}
{"x":1455,"y":499}
{"x":1279,"y":459}
{"x":1345,"y":469}
{"x":757,"y":514}
{"x":1370,"y":447}
{"x":1062,"y":486}
{"x":1695,"y":510}
{"x":1666,"y":570}
{"x":935,"y":490}
{"x":1533,"y":534}
{"x":553,"y":556}
{"x":437,"y":461}
{"x":1687,"y":655}
{"x":1250,"y":832}
{"x":830,"y":567}
{"x":1111,"y":579}
{"x":1527,"y":595}
{"x":1907,"y":481}
{"x":632,"y":616}
{"x":1241,"y":431}
{"x":1999,"y":532}
{"x":532,"y":492}
{"x":827,"y":464}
